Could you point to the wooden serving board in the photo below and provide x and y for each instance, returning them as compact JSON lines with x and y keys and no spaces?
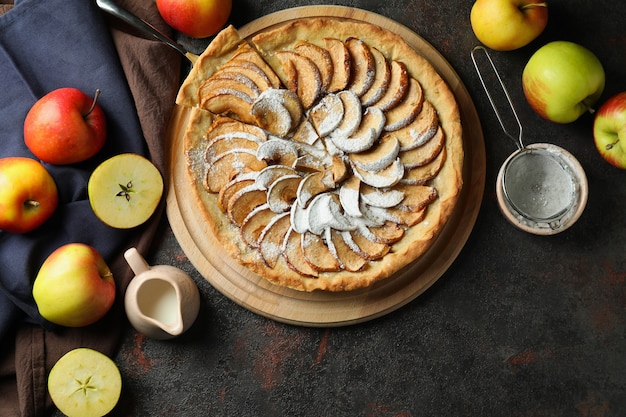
{"x":324,"y":308}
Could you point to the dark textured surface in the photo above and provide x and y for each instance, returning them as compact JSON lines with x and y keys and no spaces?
{"x":520,"y":325}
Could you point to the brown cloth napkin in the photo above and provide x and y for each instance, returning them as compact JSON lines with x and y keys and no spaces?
{"x":152,"y":70}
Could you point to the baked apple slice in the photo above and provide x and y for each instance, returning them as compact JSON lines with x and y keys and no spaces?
{"x":246,"y":53}
{"x":282,"y":193}
{"x":294,"y":255}
{"x":229,"y":165}
{"x":348,"y":258}
{"x":340,"y":57}
{"x":327,"y":114}
{"x":271,"y":173}
{"x":351,"y":116}
{"x":384,"y":198}
{"x":350,"y":196}
{"x":382,"y":77}
{"x":398,"y":86}
{"x":425,"y":173}
{"x":317,"y":254}
{"x":243,"y":202}
{"x":303,"y":77}
{"x":321,"y":57}
{"x":363,"y":69}
{"x":424,"y":154}
{"x":366,"y":135}
{"x":378,"y":157}
{"x":254,"y":223}
{"x":231,"y":188}
{"x":405,"y":113}
{"x":272,"y":237}
{"x":125,"y":190}
{"x":420,"y":130}
{"x":387,"y":177}
{"x":312,"y":185}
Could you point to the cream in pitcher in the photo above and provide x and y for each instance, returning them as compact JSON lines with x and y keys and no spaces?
{"x":161,"y":301}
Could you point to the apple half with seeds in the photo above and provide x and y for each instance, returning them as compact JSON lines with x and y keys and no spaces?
{"x":85,"y":383}
{"x":125,"y":190}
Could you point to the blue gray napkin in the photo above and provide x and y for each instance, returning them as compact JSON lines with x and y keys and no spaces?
{"x":46,"y":45}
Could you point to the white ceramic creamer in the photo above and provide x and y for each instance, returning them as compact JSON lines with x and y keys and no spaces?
{"x":161,"y":301}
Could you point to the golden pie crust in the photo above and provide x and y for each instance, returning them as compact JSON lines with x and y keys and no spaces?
{"x":431,"y":172}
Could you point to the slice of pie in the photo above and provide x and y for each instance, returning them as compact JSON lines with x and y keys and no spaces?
{"x":326,"y":154}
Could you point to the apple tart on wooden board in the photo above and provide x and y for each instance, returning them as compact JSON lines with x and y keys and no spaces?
{"x":326,"y":154}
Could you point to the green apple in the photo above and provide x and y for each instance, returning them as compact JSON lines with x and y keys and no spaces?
{"x":74,"y":286}
{"x":562,"y":80}
{"x":65,"y":126}
{"x":125,"y":190}
{"x":609,"y":130}
{"x":85,"y":383}
{"x":504,"y":25}
{"x":28,"y":194}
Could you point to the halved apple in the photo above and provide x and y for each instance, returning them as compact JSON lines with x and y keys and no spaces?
{"x":125,"y":190}
{"x":85,"y":383}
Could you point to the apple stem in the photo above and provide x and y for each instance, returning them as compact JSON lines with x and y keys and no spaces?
{"x":31,"y":203}
{"x":531,"y":5}
{"x":610,"y":146}
{"x":93,"y":103}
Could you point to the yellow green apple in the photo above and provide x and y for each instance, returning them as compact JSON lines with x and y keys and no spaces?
{"x":562,"y":80}
{"x":85,"y":383}
{"x":195,"y":18}
{"x":125,"y":190}
{"x":609,"y":130}
{"x":28,"y":194}
{"x":74,"y":286}
{"x":504,"y":25}
{"x":65,"y":126}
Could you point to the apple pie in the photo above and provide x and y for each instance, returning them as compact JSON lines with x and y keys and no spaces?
{"x":326,"y":154}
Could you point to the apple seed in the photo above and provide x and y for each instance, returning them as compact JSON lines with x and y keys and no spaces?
{"x":126,"y":190}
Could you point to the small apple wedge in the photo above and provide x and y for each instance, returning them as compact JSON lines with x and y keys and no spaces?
{"x":85,"y":383}
{"x":125,"y":190}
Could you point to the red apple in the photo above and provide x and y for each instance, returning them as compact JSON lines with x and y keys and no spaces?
{"x":195,"y":18}
{"x":609,"y":130}
{"x":28,"y":194}
{"x":74,"y":286}
{"x":504,"y":25}
{"x":65,"y":126}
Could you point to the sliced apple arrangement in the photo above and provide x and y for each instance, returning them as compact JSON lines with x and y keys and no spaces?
{"x":329,"y":171}
{"x":85,"y":383}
